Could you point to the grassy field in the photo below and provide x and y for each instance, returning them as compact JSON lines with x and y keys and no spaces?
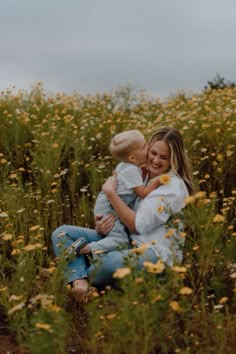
{"x":53,"y":160}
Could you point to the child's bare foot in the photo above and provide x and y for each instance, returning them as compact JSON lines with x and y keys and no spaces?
{"x":80,"y":289}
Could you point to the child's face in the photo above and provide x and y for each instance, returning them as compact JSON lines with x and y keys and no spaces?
{"x":139,"y":155}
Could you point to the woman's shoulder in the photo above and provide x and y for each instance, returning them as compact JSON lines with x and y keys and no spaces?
{"x":172,"y":183}
{"x":175,"y":179}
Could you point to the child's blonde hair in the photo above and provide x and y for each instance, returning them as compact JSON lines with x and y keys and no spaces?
{"x":124,"y":143}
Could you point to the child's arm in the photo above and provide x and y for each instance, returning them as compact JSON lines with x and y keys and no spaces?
{"x":143,"y":191}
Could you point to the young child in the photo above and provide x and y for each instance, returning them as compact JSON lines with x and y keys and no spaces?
{"x":130,"y":149}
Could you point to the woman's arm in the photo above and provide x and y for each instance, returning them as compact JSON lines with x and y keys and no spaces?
{"x":125,"y":214}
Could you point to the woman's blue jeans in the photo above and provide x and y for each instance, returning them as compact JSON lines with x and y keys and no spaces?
{"x":101,"y":272}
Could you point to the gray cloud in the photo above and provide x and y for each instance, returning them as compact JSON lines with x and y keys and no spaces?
{"x":91,"y":46}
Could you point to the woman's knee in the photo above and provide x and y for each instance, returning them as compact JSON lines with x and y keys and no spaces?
{"x":57,"y":233}
{"x":113,"y":260}
{"x":102,"y":274}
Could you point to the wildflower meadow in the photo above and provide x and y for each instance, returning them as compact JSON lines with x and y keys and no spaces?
{"x":54,"y":159}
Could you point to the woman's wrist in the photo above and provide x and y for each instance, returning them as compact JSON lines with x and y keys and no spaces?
{"x":109,"y":187}
{"x":110,"y":192}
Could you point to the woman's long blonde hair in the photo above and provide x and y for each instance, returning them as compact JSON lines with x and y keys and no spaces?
{"x":178,"y":157}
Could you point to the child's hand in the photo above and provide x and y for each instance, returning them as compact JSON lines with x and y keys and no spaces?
{"x":144,"y":171}
{"x":155,"y":182}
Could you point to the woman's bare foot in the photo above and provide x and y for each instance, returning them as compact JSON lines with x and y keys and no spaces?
{"x":80,"y":289}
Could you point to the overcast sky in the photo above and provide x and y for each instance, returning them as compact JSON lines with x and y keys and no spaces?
{"x":92,"y":46}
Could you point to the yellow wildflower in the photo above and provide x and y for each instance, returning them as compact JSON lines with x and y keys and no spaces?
{"x":35,"y":227}
{"x":7,"y":237}
{"x":189,"y":200}
{"x":213,"y":195}
{"x":170,"y":233}
{"x":99,"y":334}
{"x":94,"y":293}
{"x":183,"y":234}
{"x":138,"y":280}
{"x":174,"y":305}
{"x":218,"y":218}
{"x":165,"y":179}
{"x":121,"y":272}
{"x":156,"y":298}
{"x":15,"y":251}
{"x":200,"y":195}
{"x":21,"y":237}
{"x":15,"y":243}
{"x":179,"y":269}
{"x":156,"y":268}
{"x":16,"y":308}
{"x":55,"y":308}
{"x":29,"y":248}
{"x":12,"y":176}
{"x":140,"y":250}
{"x":45,"y":326}
{"x":3,"y":289}
{"x":111,"y":316}
{"x":229,"y":153}
{"x":160,"y":209}
{"x":20,"y":210}
{"x":100,"y":251}
{"x":223,"y":300}
{"x":15,"y":297}
{"x":186,"y":291}
{"x":38,"y":244}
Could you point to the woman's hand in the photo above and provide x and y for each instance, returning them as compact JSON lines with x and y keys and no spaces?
{"x":103,"y":225}
{"x":110,"y":184}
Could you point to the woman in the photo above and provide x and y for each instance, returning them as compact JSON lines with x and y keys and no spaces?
{"x":146,"y":223}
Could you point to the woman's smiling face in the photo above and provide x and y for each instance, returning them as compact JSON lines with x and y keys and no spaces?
{"x":158,"y":158}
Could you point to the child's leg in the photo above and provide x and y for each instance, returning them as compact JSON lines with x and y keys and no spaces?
{"x":102,"y":205}
{"x":116,"y":239}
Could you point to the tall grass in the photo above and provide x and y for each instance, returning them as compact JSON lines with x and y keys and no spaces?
{"x":53,"y":160}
